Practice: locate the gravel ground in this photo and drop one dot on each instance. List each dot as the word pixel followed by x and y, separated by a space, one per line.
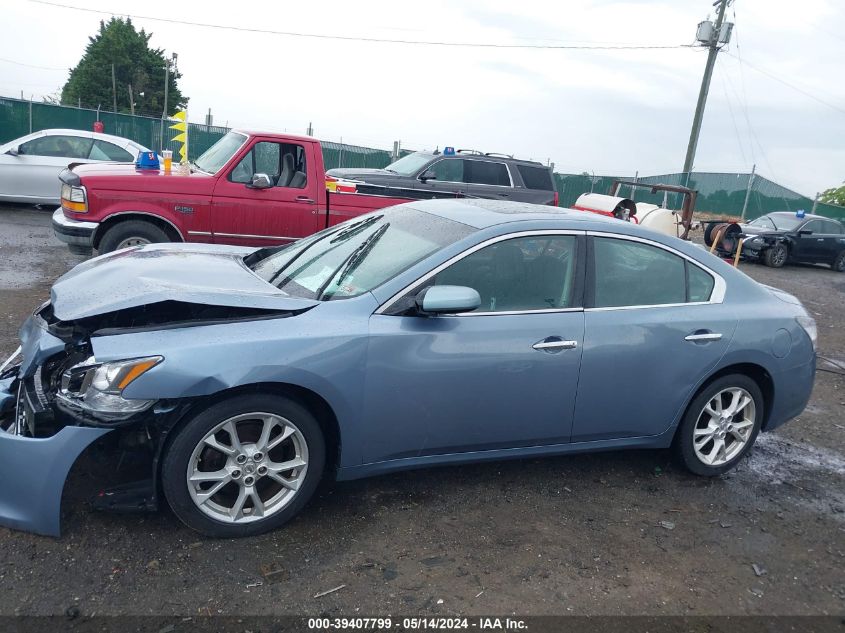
pixel 614 533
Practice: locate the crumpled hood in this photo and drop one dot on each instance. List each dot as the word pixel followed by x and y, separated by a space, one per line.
pixel 204 274
pixel 748 229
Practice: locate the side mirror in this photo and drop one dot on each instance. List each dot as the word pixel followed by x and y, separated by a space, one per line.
pixel 805 232
pixel 447 300
pixel 14 151
pixel 260 181
pixel 428 174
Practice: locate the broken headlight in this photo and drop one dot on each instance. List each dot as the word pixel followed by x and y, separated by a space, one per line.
pixel 97 388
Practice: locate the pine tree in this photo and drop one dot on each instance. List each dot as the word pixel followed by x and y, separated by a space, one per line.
pixel 135 64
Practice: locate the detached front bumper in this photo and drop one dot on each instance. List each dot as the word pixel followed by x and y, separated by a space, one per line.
pixel 79 236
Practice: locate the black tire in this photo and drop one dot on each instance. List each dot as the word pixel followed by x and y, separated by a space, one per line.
pixel 839 263
pixel 708 234
pixel 128 230
pixel 683 444
pixel 776 256
pixel 178 454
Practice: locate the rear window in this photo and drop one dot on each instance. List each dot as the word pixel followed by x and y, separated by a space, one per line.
pixel 536 177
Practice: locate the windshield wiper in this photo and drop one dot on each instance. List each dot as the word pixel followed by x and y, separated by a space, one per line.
pixel 349 265
pixel 392 171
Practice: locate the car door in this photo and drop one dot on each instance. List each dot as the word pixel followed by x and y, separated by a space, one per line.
pixel 39 162
pixel 809 241
pixel 822 244
pixel 501 376
pixel 654 327
pixel 488 179
pixel 448 176
pixel 282 213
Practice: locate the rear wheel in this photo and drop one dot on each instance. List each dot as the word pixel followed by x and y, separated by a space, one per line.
pixel 131 233
pixel 244 466
pixel 720 425
pixel 775 257
pixel 839 263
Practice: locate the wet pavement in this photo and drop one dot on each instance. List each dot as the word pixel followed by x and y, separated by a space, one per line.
pixel 613 533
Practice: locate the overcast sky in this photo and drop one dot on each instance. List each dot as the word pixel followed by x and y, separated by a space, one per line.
pixel 609 112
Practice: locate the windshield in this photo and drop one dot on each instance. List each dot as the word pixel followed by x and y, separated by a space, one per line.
pixel 783 222
pixel 213 159
pixel 354 257
pixel 410 164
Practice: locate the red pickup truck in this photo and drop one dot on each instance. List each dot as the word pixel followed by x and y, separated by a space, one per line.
pixel 249 189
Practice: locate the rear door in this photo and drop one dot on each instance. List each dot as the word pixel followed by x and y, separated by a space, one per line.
pixel 537 185
pixel 488 179
pixel 282 213
pixel 654 327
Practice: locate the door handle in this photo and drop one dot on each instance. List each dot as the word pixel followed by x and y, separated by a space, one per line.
pixel 703 337
pixel 554 343
pixel 305 199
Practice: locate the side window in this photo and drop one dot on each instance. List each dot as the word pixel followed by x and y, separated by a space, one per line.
pixel 526 273
pixel 284 163
pixel 814 226
pixel 832 228
pixel 58 147
pixel 699 283
pixel 482 172
pixel 449 170
pixel 630 273
pixel 101 150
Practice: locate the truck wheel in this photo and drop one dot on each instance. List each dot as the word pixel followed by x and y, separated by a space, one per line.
pixel 839 263
pixel 244 466
pixel 775 257
pixel 131 233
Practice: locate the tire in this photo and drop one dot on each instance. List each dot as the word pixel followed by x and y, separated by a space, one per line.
pixel 232 510
pixel 839 263
pixel 708 234
pixel 131 233
pixel 776 256
pixel 699 426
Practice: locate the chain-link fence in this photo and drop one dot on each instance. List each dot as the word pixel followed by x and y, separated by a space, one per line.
pixel 718 193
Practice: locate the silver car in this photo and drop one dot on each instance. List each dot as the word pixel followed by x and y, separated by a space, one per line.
pixel 30 166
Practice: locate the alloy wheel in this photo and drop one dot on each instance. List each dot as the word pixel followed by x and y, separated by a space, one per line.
pixel 247 468
pixel 724 426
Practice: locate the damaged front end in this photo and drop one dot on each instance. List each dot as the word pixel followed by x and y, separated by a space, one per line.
pixel 54 403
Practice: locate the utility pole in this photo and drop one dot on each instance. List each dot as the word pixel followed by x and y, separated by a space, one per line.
pixel 713 36
pixel 173 57
pixel 113 88
pixel 131 101
pixel 748 191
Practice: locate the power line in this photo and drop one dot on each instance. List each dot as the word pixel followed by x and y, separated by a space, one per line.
pixel 771 75
pixel 349 38
pixel 12 61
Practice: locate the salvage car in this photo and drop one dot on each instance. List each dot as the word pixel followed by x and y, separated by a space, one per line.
pixel 428 333
pixel 30 166
pixel 785 237
pixel 469 172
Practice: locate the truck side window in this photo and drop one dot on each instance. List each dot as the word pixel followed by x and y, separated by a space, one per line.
pixel 284 163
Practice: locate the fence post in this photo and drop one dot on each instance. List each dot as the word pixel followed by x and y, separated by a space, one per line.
pixel 633 188
pixel 30 114
pixel 748 191
pixel 815 203
pixel 340 157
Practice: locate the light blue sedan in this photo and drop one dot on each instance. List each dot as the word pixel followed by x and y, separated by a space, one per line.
pixel 429 333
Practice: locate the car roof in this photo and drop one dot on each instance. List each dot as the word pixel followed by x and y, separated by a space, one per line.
pixel 491 157
pixel 482 213
pixel 117 140
pixel 791 214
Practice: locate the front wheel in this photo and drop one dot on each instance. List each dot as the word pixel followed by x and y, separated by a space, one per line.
pixel 244 466
pixel 720 425
pixel 131 233
pixel 775 257
pixel 839 263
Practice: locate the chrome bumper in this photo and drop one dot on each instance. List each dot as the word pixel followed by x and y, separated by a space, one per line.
pixel 73 232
